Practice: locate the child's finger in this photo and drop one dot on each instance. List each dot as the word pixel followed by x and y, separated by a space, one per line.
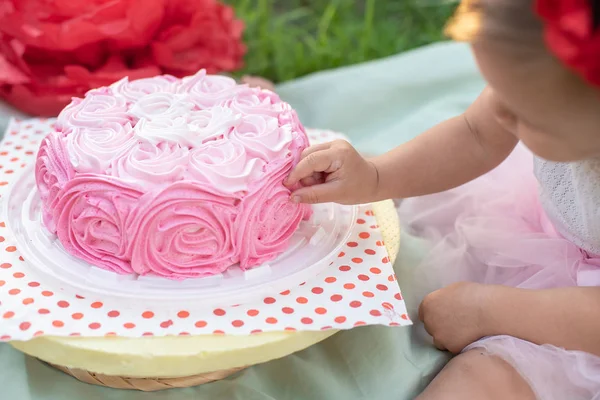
pixel 421 313
pixel 438 345
pixel 319 161
pixel 312 149
pixel 256 81
pixel 325 193
pixel 312 180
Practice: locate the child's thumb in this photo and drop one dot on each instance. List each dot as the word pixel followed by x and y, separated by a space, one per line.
pixel 325 193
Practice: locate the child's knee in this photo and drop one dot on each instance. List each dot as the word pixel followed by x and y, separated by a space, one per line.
pixel 493 372
pixel 478 375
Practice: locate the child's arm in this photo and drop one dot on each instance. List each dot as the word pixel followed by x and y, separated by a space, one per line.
pixel 563 317
pixel 448 155
pixel 459 314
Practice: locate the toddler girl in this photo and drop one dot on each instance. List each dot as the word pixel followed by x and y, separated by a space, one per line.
pixel 515 235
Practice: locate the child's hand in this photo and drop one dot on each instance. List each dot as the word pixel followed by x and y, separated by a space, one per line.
pixel 257 81
pixel 457 315
pixel 334 172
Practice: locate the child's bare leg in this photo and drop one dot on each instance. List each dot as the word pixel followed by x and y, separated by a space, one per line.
pixel 473 375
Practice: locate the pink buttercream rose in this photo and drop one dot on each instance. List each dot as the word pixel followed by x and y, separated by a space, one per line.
pixel 132 91
pixel 225 166
pixel 267 220
pixel 263 138
pixel 52 171
pixel 90 214
pixel 185 231
pixel 93 111
pixel 208 90
pixel 289 117
pixel 147 165
pixel 93 149
pixel 254 101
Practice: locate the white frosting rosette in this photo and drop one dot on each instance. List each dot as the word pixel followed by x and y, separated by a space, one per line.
pixel 214 123
pixel 162 105
pixel 173 130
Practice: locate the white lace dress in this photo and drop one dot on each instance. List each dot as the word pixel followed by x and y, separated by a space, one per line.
pixel 530 224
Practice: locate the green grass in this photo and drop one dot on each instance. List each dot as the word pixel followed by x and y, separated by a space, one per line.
pixel 291 38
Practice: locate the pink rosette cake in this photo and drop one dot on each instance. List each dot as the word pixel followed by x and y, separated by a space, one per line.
pixel 172 178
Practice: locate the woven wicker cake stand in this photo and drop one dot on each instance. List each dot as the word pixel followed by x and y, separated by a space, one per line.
pixel 157 363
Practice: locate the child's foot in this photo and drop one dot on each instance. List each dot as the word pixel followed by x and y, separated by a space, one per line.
pixel 256 81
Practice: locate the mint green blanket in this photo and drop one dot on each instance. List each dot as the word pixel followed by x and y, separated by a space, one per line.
pixel 379 105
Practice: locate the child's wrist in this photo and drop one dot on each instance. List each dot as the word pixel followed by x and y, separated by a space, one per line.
pixel 498 310
pixel 375 191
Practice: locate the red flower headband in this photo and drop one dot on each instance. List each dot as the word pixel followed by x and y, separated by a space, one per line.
pixel 571 35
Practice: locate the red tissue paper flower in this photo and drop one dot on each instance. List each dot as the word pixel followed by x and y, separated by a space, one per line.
pixel 52 50
pixel 571 36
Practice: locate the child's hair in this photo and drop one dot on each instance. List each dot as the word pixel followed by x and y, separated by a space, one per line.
pixel 513 24
pixel 513 20
pixel 507 20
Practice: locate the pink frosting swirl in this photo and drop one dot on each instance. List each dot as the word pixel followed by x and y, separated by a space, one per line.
pixel 90 214
pixel 52 172
pixel 263 137
pixel 148 165
pixel 93 149
pixel 184 231
pixel 208 90
pixel 267 220
pixel 289 117
pixel 135 90
pixel 224 166
pixel 255 101
pixel 52 167
pixel 93 111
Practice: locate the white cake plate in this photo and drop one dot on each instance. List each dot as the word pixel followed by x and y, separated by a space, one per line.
pixel 311 251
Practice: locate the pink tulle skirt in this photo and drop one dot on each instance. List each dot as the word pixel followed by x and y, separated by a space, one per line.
pixel 494 230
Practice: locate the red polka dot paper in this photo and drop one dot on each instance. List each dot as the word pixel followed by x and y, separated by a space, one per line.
pixel 359 287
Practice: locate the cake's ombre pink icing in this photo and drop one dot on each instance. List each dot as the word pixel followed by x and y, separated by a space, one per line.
pixel 173 178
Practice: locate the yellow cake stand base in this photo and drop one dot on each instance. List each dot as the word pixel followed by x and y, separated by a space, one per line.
pixel 157 363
